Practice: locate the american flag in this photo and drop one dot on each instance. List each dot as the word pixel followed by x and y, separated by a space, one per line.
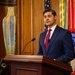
pixel 47 7
pixel 47 4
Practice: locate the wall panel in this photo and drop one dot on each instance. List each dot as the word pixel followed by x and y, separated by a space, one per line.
pixel 25 26
pixel 38 26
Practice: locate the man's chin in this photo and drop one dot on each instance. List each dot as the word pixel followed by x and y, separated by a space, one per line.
pixel 47 25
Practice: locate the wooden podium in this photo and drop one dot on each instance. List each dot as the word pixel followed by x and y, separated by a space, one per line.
pixel 36 65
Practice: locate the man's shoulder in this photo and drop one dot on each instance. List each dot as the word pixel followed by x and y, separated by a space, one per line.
pixel 44 32
pixel 62 29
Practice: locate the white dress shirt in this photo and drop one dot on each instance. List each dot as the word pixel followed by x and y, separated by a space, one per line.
pixel 52 30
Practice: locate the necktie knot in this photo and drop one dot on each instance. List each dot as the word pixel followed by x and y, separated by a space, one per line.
pixel 50 30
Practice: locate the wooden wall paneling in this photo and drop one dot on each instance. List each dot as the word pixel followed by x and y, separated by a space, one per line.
pixel 55 6
pixel 31 24
pixel 18 45
pixel 26 26
pixel 38 26
pixel 32 27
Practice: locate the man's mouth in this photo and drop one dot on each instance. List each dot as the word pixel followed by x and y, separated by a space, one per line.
pixel 47 21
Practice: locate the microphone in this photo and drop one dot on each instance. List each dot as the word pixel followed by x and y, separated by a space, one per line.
pixel 27 44
pixel 48 40
pixel 33 39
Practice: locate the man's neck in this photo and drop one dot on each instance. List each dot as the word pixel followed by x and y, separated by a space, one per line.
pixel 50 26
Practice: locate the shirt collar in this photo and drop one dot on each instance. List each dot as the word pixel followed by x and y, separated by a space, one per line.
pixel 53 28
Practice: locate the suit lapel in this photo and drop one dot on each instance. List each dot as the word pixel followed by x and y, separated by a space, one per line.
pixel 43 38
pixel 56 31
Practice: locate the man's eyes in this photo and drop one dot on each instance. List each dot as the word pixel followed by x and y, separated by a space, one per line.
pixel 47 16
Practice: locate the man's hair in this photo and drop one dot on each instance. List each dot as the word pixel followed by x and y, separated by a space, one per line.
pixel 50 10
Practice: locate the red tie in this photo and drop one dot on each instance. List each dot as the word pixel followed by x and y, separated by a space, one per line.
pixel 47 40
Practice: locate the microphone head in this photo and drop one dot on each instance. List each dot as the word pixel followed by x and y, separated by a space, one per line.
pixel 33 39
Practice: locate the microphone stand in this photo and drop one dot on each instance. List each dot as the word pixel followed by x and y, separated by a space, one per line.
pixel 26 45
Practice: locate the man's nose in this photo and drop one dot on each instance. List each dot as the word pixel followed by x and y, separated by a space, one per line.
pixel 47 18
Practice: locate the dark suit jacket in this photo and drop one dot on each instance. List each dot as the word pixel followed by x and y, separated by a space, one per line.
pixel 60 46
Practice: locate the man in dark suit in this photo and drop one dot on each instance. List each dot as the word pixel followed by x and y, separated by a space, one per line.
pixel 59 44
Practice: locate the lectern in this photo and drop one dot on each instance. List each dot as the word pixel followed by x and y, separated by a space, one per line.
pixel 35 65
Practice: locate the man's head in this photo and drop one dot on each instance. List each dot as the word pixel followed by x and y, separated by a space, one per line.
pixel 49 17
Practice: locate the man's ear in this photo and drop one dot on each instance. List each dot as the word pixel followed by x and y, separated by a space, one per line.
pixel 55 17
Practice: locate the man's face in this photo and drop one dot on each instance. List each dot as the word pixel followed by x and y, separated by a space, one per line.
pixel 49 19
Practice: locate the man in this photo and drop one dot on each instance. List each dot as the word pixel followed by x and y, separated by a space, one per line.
pixel 55 42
